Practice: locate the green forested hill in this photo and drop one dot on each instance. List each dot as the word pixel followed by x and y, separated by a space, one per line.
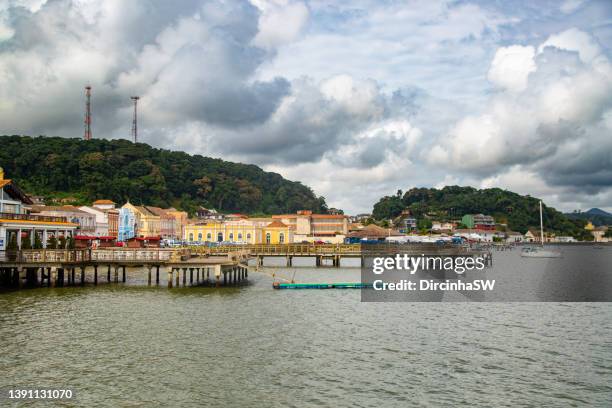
pixel 517 211
pixel 595 215
pixel 119 170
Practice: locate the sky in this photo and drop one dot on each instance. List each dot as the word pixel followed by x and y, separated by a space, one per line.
pixel 354 99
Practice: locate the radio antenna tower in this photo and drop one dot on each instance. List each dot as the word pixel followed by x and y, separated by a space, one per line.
pixel 135 120
pixel 87 135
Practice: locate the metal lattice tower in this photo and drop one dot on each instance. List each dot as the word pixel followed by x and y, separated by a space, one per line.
pixel 135 120
pixel 87 135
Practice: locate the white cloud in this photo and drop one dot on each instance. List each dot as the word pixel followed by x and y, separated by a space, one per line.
pixel 574 40
pixel 281 21
pixel 511 66
pixel 356 99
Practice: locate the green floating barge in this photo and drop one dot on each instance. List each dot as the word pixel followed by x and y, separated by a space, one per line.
pixel 338 285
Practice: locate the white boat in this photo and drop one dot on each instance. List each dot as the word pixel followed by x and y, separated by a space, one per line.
pixel 540 253
pixel 535 252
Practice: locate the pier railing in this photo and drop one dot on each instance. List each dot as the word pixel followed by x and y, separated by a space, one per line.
pixel 95 255
pixel 327 249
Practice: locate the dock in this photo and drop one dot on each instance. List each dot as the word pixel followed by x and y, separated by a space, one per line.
pixel 55 267
pixel 326 255
pixel 316 285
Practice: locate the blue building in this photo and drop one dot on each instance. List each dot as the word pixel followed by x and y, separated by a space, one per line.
pixel 128 224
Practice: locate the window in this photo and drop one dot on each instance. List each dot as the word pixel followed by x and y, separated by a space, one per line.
pixel 191 237
pixel 209 236
pixel 281 238
pixel 231 238
pixel 200 237
pixel 239 236
pixel 268 238
pixel 220 237
pixel 249 236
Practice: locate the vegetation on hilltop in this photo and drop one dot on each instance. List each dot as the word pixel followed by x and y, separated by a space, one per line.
pixel 452 202
pixel 57 167
pixel 595 215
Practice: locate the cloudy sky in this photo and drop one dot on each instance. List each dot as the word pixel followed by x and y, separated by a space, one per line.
pixel 355 99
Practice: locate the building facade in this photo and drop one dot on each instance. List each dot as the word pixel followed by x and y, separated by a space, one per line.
pixel 86 221
pixel 138 222
pixel 17 225
pixel 240 231
pixel 306 226
pixel 479 221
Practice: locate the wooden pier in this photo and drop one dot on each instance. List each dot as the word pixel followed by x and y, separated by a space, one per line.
pixel 50 267
pixel 331 254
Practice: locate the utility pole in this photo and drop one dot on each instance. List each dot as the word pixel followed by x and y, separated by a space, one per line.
pixel 87 135
pixel 135 120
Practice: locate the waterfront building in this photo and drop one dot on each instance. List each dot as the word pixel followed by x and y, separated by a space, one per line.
pixel 107 217
pixel 533 235
pixel 101 218
pixel 127 224
pixel 306 226
pixel 86 221
pixel 372 232
pixel 16 222
pixel 480 235
pixel 181 220
pixel 138 222
pixel 514 237
pixel 599 234
pixel 442 227
pixel 277 233
pixel 113 222
pixel 238 231
pixel 479 222
pixel 169 226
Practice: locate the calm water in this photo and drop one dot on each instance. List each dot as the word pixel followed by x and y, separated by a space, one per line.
pixel 132 346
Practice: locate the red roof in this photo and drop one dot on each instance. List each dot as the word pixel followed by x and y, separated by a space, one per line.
pixel 148 238
pixel 88 237
pixel 276 224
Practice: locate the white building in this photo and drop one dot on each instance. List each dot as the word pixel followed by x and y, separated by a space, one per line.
pixel 101 216
pixel 16 222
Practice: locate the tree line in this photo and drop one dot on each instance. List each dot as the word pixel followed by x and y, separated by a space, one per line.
pixel 57 167
pixel 518 212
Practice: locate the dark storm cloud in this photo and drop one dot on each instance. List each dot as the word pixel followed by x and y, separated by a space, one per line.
pixel 188 60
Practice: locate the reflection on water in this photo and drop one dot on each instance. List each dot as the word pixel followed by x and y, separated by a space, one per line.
pixel 119 345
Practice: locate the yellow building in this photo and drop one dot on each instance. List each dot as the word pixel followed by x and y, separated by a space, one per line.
pixel 245 231
pixel 241 231
pixel 589 226
pixel 277 233
pixel 148 224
